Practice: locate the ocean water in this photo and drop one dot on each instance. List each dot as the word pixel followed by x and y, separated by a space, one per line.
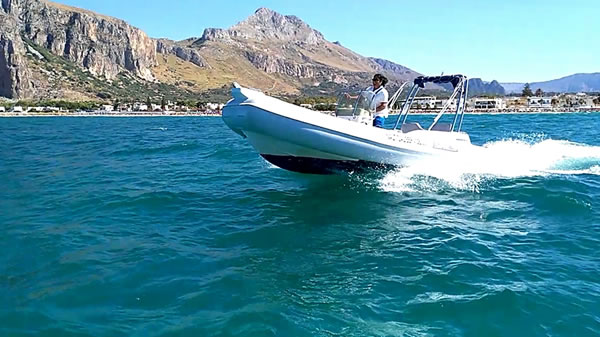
pixel 172 226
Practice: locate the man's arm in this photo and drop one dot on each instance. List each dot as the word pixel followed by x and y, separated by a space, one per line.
pixel 380 106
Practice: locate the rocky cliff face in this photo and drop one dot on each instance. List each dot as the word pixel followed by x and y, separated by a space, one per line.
pixel 104 46
pixel 164 46
pixel 101 45
pixel 273 64
pixel 391 66
pixel 14 73
pixel 9 5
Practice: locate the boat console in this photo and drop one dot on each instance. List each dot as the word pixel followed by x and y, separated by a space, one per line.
pixel 354 106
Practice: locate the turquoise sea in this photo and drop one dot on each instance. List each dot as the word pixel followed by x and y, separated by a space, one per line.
pixel 171 226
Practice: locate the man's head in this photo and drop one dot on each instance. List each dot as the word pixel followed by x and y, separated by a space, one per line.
pixel 379 81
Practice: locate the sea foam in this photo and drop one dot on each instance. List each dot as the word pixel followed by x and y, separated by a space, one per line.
pixel 503 159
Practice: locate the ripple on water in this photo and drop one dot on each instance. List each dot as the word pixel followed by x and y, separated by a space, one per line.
pixel 172 226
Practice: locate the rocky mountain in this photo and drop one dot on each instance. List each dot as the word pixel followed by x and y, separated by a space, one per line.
pixel 15 76
pixel 267 25
pixel 49 50
pixel 390 66
pixel 280 54
pixel 478 87
pixel 102 46
pixel 573 83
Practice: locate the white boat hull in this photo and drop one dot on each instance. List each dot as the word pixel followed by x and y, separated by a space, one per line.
pixel 302 140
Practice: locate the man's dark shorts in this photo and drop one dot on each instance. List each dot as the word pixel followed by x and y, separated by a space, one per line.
pixel 378 122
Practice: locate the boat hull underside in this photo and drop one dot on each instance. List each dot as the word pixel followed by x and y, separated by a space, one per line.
pixel 296 158
pixel 322 166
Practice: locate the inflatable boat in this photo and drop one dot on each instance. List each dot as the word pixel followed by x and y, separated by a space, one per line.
pixel 302 140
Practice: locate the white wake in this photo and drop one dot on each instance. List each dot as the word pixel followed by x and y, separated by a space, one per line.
pixel 510 158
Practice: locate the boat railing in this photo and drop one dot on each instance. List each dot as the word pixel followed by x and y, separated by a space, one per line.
pixel 396 95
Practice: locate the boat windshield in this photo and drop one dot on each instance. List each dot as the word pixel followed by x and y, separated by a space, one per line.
pixel 354 103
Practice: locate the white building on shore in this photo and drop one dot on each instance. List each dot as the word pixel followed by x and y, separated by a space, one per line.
pixel 439 103
pixel 539 102
pixel 214 106
pixel 488 103
pixel 582 100
pixel 425 102
pixel 515 102
pixel 137 106
pixel 2 109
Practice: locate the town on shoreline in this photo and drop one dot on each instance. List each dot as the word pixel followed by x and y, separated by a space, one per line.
pixel 564 103
pixel 217 113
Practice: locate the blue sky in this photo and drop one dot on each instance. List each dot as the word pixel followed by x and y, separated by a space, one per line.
pixel 509 41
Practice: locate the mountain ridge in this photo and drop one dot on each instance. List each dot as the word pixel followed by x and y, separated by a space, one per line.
pixel 275 52
pixel 279 54
pixel 579 82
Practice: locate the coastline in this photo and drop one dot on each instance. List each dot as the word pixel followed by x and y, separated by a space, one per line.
pixel 508 111
pixel 215 114
pixel 110 114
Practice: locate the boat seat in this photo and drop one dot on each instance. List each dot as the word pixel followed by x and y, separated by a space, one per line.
pixel 408 127
pixel 442 127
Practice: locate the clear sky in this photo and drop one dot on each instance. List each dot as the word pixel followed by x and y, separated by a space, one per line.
pixel 509 41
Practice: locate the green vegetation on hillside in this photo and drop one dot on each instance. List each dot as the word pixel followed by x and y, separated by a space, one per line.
pixel 66 76
pixel 62 104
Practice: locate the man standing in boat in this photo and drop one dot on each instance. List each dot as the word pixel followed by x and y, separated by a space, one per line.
pixel 380 100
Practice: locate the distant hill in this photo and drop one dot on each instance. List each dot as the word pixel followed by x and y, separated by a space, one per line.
pixel 478 87
pixel 574 83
